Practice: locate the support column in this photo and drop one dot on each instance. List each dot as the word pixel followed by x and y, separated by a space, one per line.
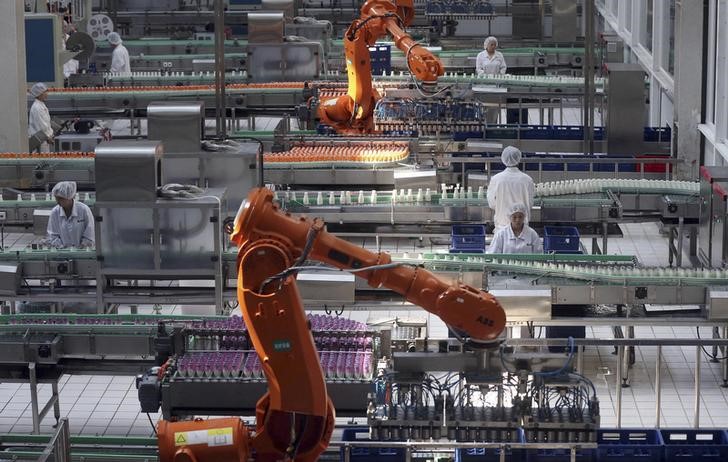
pixel 688 85
pixel 13 97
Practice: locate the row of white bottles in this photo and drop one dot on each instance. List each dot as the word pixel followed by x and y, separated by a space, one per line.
pixel 596 185
pixel 83 197
pixel 582 272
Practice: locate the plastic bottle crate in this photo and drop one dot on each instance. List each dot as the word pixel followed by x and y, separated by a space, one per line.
pixel 657 134
pixel 536 132
pixel 653 168
pixel 545 166
pixel 501 132
pixel 492 454
pixel 467 238
pixel 356 454
pixel 630 445
pixel 560 455
pixel 683 445
pixel 568 132
pixel 381 59
pixel 560 239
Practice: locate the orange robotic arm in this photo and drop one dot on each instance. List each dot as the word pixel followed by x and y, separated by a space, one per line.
pixel 295 419
pixel 470 310
pixel 353 112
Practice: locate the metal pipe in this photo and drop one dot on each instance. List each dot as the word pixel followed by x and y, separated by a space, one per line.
pixel 658 388
pixel 34 397
pixel 220 68
pixel 696 414
pixel 724 364
pixel 588 118
pixel 620 355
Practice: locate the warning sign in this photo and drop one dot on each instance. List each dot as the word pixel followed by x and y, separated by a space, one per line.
pixel 187 438
pixel 220 436
pixel 213 437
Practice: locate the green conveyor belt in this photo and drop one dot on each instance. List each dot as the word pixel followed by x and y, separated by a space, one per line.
pixel 118 319
pixel 17 438
pixel 622 275
pixel 179 56
pixel 171 92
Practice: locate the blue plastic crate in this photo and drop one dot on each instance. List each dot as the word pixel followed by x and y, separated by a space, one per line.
pixel 381 59
pixel 560 238
pixel 536 132
pixel 467 238
pixel 369 454
pixel 629 445
pixel 493 455
pixel 568 132
pixel 683 445
pixel 657 134
pixel 505 132
pixel 560 455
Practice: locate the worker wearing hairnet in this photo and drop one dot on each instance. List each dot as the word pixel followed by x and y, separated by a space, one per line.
pixel 518 237
pixel 490 61
pixel 71 223
pixel 120 56
pixel 509 187
pixel 39 119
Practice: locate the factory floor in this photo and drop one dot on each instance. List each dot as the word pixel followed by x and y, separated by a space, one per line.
pixel 107 405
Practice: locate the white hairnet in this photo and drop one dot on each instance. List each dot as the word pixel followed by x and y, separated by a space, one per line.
pixel 490 40
pixel 511 156
pixel 114 38
pixel 518 207
pixel 38 89
pixel 65 189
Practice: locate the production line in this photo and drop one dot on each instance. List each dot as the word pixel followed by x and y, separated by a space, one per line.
pixel 391 195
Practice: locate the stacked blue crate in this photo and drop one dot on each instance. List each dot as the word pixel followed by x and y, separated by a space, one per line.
pixel 467 239
pixel 560 239
pixel 381 58
pixel 695 445
pixel 492 454
pixel 359 454
pixel 629 445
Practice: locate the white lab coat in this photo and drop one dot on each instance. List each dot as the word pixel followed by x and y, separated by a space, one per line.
pixel 70 67
pixel 39 120
pixel 506 241
pixel 507 188
pixel 120 60
pixel 74 231
pixel 486 64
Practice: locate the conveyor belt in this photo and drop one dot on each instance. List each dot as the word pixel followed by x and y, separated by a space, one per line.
pixel 374 152
pixel 623 275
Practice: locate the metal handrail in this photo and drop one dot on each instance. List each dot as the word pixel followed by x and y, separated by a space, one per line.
pixel 58 448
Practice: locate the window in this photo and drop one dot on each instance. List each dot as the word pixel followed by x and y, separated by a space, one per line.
pixel 646 29
pixel 671 39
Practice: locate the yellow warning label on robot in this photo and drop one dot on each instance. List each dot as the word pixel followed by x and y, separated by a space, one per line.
pixel 220 436
pixel 188 438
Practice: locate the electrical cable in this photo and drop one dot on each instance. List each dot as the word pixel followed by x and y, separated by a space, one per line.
pixel 293 269
pixel 154 429
pixel 564 367
pixel 711 356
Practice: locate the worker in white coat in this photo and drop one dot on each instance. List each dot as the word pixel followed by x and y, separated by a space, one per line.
pixel 39 119
pixel 491 62
pixel 71 223
pixel 120 56
pixel 509 187
pixel 518 237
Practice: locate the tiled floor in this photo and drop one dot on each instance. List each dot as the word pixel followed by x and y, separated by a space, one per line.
pixel 108 405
